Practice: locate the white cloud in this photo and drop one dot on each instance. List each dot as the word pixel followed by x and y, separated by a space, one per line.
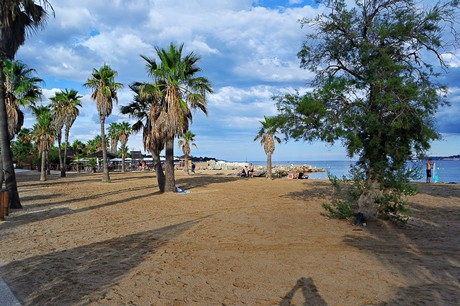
pixel 248 53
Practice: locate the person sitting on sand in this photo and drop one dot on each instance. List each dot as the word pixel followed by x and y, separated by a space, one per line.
pixel 242 172
pixel 251 170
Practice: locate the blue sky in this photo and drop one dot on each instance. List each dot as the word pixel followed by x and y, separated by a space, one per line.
pixel 248 50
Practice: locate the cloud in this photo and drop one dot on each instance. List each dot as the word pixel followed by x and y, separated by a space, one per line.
pixel 248 51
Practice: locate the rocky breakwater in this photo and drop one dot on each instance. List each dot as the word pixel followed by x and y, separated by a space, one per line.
pixel 261 171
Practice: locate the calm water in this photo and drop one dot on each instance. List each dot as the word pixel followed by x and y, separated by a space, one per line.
pixel 447 170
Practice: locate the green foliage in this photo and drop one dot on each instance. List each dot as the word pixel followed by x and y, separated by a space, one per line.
pixel 375 88
pixel 392 202
pixel 345 195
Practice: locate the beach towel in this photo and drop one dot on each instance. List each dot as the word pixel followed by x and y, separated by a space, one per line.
pixel 179 190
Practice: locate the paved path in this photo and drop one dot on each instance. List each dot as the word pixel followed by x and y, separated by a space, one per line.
pixel 6 296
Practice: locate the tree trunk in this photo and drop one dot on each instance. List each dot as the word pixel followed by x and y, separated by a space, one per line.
pixel 186 165
pixel 43 167
pixel 61 163
pixel 269 166
pixel 6 155
pixel 66 139
pixel 105 176
pixel 2 176
pixel 158 169
pixel 123 169
pixel 367 201
pixel 170 182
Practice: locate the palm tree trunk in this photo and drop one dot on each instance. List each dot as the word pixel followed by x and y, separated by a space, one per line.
pixel 123 168
pixel 6 155
pixel 170 182
pixel 43 167
pixel 66 139
pixel 48 164
pixel 61 163
pixel 269 165
pixel 105 176
pixel 158 169
pixel 186 164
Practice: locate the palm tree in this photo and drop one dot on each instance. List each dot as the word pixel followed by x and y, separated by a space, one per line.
pixel 187 139
pixel 104 87
pixel 267 138
pixel 57 110
pixel 124 130
pixel 43 135
pixel 65 109
pixel 94 145
pixel 114 136
pixel 21 89
pixel 15 18
pixel 140 109
pixel 179 90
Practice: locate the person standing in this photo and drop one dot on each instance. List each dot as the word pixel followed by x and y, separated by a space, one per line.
pixel 429 167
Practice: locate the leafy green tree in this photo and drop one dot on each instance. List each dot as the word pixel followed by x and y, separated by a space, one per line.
pixel 178 89
pixel 104 87
pixel 146 101
pixel 375 89
pixel 267 136
pixel 187 139
pixel 15 18
pixel 23 150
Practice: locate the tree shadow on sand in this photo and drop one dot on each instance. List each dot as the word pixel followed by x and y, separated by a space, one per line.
pixel 28 216
pixel 192 182
pixel 68 277
pixel 425 253
pixel 309 292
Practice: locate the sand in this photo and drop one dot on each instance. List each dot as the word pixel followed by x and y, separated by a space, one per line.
pixel 230 241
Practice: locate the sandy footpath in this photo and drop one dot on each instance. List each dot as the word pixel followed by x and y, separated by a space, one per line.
pixel 230 241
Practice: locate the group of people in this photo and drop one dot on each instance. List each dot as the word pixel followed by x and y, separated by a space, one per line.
pixel 247 172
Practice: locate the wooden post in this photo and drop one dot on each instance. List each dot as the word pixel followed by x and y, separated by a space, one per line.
pixel 4 205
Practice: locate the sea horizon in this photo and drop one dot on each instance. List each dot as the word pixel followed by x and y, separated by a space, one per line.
pixel 446 171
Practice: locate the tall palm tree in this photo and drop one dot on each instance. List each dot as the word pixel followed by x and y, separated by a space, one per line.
pixel 185 141
pixel 267 139
pixel 57 110
pixel 65 109
pixel 21 89
pixel 71 109
pixel 114 136
pixel 44 135
pixel 124 130
pixel 15 18
pixel 104 87
pixel 178 90
pixel 140 109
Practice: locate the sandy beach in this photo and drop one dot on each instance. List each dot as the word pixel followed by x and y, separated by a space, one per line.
pixel 229 241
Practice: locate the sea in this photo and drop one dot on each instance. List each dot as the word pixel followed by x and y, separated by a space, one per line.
pixel 445 171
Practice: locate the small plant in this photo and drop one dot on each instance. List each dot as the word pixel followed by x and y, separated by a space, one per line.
pixel 392 203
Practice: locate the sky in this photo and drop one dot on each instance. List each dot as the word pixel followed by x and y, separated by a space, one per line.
pixel 248 51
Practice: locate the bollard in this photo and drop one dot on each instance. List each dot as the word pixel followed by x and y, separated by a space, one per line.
pixel 4 205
